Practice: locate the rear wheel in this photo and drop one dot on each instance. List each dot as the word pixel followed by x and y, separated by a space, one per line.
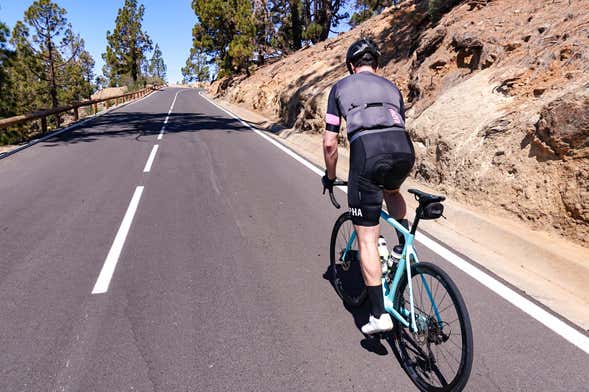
pixel 345 266
pixel 439 356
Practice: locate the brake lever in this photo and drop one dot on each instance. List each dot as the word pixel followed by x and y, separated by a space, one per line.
pixel 333 200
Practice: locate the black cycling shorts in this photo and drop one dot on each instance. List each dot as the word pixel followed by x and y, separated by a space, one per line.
pixel 377 161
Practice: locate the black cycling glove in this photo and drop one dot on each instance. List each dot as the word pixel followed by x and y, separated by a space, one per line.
pixel 327 183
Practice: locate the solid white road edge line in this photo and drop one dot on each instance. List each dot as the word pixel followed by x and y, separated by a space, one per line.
pixel 149 162
pixel 112 258
pixel 549 320
pixel 558 326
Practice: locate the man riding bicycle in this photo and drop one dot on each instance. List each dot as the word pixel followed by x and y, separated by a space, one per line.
pixel 381 157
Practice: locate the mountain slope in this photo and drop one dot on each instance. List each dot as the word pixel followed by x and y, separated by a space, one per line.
pixel 498 98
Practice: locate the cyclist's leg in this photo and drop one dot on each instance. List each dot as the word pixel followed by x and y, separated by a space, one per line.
pixel 397 209
pixel 369 258
pixel 380 320
pixel 401 165
pixel 365 201
pixel 395 203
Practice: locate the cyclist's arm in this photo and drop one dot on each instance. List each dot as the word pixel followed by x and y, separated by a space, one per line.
pixel 330 152
pixel 330 136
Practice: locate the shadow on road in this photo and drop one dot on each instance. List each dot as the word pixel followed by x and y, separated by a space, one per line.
pixel 360 314
pixel 137 124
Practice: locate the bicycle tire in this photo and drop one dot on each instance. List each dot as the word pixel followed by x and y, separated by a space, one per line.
pixel 418 360
pixel 346 276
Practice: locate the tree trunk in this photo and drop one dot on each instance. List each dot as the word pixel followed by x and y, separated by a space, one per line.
pixel 324 15
pixel 134 64
pixel 297 28
pixel 52 82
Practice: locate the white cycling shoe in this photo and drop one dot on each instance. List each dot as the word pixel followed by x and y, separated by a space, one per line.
pixel 375 325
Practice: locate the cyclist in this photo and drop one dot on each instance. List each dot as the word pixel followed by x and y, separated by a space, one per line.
pixel 381 157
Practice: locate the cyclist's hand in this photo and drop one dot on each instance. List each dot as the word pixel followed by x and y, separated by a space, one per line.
pixel 327 183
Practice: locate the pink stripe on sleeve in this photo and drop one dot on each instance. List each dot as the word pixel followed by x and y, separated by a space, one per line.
pixel 396 117
pixel 332 119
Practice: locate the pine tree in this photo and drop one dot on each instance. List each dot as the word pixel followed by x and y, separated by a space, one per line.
pixel 7 104
pixel 49 50
pixel 299 21
pixel 320 17
pixel 126 45
pixel 365 9
pixel 264 30
pixel 286 16
pixel 29 86
pixel 196 68
pixel 157 68
pixel 87 63
pixel 226 31
pixel 78 84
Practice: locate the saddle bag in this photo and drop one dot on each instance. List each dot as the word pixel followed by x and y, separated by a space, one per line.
pixel 432 211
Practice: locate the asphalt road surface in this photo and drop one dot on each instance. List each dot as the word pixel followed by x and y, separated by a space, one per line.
pixel 219 283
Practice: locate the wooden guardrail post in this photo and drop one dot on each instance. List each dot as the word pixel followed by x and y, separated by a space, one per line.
pixel 76 113
pixel 95 107
pixel 44 125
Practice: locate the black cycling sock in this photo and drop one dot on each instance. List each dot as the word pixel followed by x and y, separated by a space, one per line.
pixel 376 300
pixel 400 236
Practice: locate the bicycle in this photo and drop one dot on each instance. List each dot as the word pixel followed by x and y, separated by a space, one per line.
pixel 426 325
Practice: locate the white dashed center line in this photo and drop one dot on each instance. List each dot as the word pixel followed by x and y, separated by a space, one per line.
pixel 147 168
pixel 112 258
pixel 161 135
pixel 110 263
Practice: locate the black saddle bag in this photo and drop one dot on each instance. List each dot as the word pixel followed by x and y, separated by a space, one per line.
pixel 432 211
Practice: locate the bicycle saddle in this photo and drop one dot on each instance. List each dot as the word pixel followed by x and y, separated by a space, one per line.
pixel 426 198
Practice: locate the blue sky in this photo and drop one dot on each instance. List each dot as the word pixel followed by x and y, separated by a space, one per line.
pixel 168 23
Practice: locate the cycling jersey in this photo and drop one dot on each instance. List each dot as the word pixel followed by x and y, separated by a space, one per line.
pixel 381 153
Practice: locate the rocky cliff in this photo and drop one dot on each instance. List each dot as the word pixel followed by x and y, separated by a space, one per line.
pixel 498 98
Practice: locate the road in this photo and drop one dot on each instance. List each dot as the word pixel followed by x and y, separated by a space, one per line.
pixel 219 283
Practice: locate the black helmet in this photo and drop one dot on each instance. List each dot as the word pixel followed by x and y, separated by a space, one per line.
pixel 358 49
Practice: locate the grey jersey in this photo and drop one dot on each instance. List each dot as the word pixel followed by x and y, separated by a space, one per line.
pixel 369 103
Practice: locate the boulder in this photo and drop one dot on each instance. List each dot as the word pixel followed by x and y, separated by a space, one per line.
pixel 564 125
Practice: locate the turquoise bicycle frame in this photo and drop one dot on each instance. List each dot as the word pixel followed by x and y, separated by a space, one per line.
pixel 408 257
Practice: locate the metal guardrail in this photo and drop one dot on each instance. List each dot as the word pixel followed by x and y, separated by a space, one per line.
pixel 42 115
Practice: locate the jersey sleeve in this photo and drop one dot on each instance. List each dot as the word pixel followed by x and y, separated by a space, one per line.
pixel 333 115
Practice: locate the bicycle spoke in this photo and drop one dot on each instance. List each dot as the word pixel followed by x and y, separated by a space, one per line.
pixel 444 349
pixel 453 321
pixel 455 345
pixel 435 357
pixel 440 311
pixel 439 303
